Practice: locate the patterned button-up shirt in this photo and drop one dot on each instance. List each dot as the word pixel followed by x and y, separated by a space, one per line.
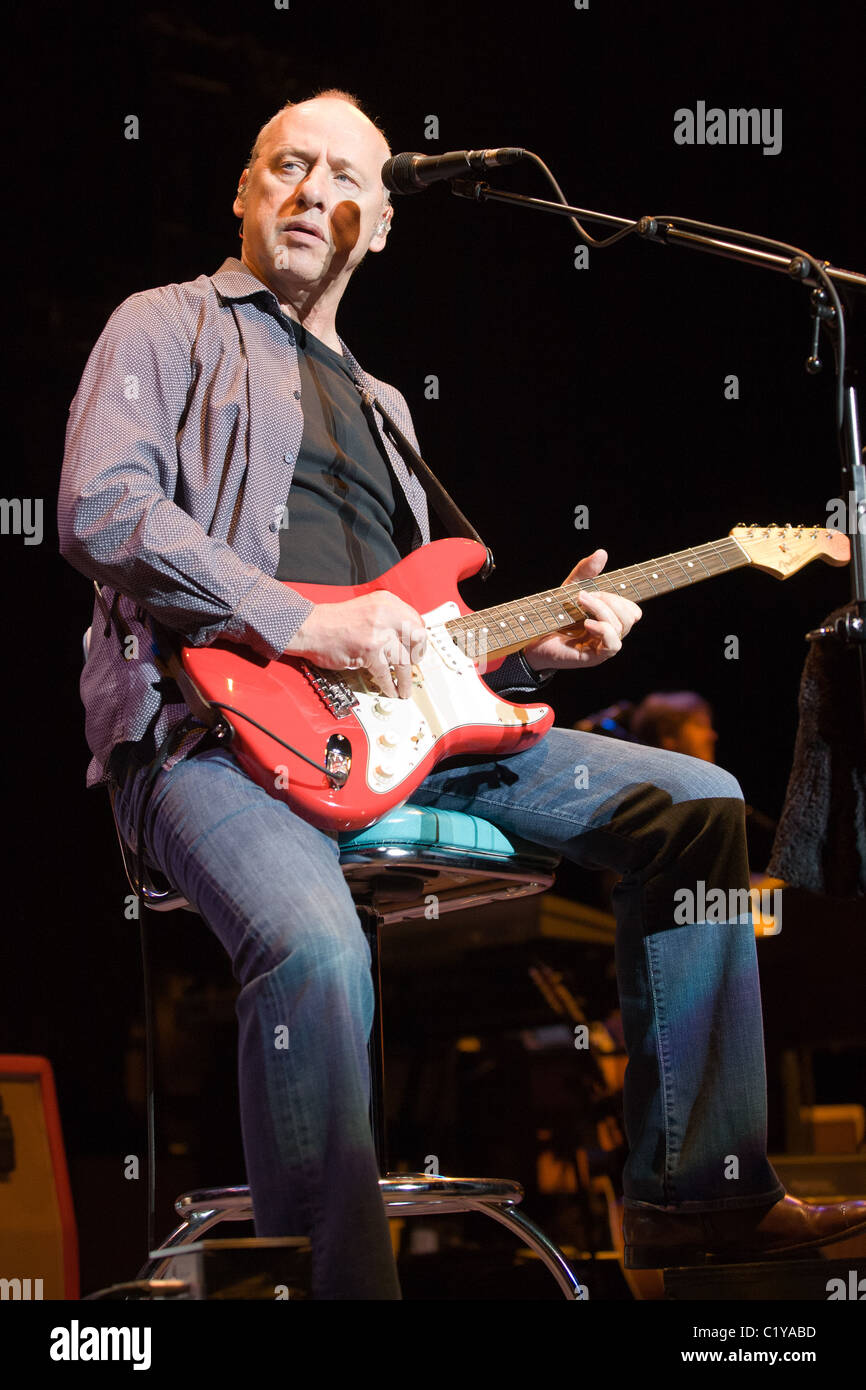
pixel 180 448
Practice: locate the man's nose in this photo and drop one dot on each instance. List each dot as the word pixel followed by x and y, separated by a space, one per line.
pixel 313 189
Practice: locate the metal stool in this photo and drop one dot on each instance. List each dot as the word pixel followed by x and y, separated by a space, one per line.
pixel 392 869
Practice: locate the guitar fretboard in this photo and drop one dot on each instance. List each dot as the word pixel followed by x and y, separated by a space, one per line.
pixel 510 626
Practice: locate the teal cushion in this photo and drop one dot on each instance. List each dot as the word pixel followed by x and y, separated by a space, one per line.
pixel 426 827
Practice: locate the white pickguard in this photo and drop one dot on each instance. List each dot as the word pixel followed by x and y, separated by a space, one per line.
pixel 447 694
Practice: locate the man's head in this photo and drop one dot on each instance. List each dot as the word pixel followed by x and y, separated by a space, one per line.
pixel 680 720
pixel 312 198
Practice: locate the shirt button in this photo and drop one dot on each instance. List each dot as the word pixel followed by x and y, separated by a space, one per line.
pixel 297 395
pixel 288 458
pixel 273 526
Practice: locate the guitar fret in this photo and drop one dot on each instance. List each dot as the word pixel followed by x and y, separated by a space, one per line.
pixel 655 570
pixel 682 568
pixel 691 563
pixel 554 609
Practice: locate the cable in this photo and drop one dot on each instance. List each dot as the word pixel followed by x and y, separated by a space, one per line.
pixel 217 704
pixel 794 252
pixel 783 247
pixel 608 241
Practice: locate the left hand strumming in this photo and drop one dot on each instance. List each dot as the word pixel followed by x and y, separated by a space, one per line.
pixel 598 637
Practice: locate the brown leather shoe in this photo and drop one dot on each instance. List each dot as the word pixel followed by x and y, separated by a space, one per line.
pixel 787 1229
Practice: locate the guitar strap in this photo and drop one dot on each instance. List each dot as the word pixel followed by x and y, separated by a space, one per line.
pixel 441 501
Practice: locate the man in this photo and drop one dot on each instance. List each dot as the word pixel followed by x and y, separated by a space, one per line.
pixel 207 409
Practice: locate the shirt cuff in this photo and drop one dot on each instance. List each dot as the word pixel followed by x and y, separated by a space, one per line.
pixel 515 673
pixel 266 619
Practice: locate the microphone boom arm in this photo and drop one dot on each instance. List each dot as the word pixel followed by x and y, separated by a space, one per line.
pixel 766 254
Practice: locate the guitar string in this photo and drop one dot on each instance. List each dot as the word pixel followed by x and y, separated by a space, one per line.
pixel 514 615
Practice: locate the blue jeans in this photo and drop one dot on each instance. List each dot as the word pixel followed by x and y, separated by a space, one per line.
pixel 271 889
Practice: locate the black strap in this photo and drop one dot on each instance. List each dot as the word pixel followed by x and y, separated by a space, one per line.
pixel 441 501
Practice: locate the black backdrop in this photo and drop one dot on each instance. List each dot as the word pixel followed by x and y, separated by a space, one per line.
pixel 557 386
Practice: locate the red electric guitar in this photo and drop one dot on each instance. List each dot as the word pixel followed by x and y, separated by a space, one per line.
pixel 358 754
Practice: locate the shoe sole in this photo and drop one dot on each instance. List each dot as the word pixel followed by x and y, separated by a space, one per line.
pixel 664 1257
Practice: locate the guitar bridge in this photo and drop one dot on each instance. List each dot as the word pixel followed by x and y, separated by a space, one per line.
pixel 335 695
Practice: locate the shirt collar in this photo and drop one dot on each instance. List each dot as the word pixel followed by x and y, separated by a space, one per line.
pixel 233 281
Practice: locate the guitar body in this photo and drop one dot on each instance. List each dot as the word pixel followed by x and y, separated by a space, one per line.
pixel 338 718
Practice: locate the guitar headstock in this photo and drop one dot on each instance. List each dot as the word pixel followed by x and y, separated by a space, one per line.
pixel 782 550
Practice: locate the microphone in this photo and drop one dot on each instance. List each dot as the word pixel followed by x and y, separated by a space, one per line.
pixel 409 173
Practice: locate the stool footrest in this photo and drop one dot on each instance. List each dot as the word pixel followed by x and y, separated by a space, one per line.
pixel 405 1193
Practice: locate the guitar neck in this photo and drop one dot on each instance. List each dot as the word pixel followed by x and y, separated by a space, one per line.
pixel 511 626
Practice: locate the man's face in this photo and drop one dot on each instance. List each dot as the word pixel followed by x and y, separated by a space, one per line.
pixel 314 199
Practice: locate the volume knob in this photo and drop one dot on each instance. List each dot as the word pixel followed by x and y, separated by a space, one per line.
pixel 383 706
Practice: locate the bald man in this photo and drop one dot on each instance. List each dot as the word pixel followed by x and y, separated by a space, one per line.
pixel 224 442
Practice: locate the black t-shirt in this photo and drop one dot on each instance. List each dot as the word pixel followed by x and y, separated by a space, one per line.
pixel 348 518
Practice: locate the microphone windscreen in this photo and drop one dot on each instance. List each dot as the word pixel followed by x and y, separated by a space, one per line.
pixel 397 173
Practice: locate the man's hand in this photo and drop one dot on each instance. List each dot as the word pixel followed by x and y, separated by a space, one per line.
pixel 598 637
pixel 377 633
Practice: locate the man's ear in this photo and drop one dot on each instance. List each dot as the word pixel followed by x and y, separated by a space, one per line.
pixel 238 204
pixel 383 226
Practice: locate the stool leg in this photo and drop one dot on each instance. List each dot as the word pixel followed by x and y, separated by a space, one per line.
pixel 535 1238
pixel 189 1231
pixel 372 923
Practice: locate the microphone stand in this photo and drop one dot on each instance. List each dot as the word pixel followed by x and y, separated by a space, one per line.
pixel 826 312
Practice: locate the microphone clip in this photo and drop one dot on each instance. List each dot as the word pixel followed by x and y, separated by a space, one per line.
pixel 469 188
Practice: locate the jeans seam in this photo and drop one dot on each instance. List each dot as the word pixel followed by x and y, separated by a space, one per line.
pixel 665 1098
